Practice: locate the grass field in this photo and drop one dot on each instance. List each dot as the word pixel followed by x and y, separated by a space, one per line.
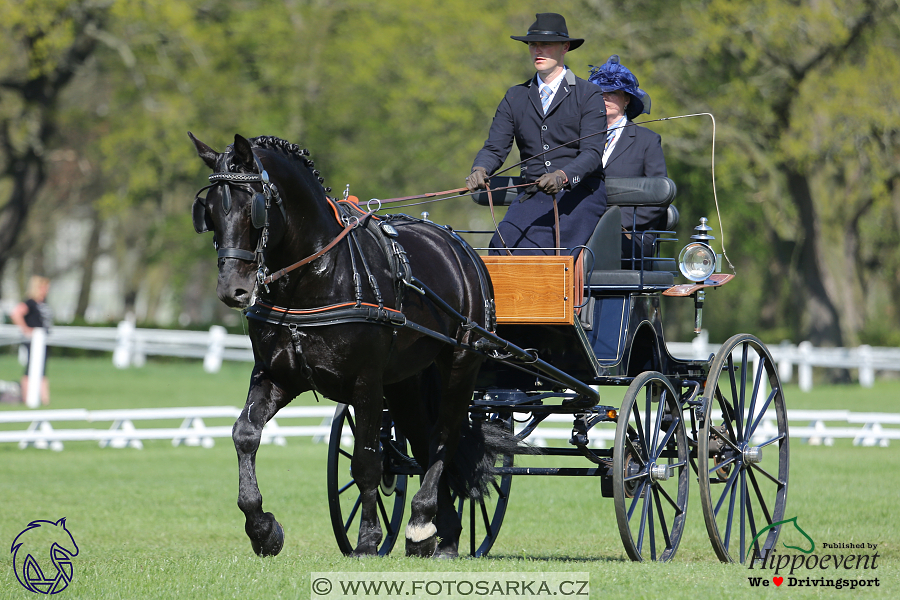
pixel 163 522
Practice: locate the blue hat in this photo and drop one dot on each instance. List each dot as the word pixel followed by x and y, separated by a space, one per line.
pixel 612 76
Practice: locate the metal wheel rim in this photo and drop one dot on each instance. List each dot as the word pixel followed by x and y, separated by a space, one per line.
pixel 733 485
pixel 650 512
pixel 343 494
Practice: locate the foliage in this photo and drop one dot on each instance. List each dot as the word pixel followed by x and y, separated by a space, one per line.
pixel 396 98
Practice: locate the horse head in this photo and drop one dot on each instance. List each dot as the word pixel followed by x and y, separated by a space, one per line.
pixel 31 549
pixel 238 209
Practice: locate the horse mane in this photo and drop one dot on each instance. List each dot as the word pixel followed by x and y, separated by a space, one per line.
pixel 292 151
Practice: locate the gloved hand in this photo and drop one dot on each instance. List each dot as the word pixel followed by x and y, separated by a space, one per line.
pixel 477 179
pixel 552 183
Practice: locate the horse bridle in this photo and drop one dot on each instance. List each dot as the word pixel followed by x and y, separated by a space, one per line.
pixel 259 211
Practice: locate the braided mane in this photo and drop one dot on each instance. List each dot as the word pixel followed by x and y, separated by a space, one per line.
pixel 291 151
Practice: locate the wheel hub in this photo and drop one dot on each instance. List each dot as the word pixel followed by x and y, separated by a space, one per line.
pixel 660 472
pixel 752 454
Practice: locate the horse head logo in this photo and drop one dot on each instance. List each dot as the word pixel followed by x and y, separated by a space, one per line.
pixel 31 548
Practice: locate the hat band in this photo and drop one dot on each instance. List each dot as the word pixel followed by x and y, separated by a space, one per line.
pixel 557 33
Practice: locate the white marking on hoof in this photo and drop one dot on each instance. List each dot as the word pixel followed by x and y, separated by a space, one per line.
pixel 418 533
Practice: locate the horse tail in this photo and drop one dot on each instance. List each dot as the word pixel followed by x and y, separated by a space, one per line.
pixel 484 445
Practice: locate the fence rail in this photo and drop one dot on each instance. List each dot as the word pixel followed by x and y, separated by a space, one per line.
pixel 131 345
pixel 813 426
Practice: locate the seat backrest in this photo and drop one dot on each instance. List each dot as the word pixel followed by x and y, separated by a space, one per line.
pixel 605 243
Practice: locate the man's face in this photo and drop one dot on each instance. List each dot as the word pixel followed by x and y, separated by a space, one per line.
pixel 547 56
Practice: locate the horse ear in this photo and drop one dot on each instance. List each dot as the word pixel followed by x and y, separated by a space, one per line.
pixel 209 156
pixel 243 151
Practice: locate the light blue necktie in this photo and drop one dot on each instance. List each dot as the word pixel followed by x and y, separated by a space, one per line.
pixel 545 98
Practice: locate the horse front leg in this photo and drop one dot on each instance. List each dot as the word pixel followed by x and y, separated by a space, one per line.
pixel 263 401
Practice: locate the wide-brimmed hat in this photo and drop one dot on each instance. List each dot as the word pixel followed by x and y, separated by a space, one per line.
pixel 612 76
pixel 549 27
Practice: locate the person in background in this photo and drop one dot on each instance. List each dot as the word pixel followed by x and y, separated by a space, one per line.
pixel 631 150
pixel 29 314
pixel 557 121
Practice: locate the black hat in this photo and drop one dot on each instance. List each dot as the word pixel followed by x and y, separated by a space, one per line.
pixel 549 27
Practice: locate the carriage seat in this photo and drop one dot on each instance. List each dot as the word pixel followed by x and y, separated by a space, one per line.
pixel 605 242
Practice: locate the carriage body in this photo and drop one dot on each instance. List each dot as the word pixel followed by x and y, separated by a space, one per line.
pixel 720 420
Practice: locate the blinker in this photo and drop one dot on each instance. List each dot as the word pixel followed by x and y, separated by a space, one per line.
pixel 258 210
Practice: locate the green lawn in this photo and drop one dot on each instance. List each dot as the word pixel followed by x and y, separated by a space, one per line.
pixel 163 522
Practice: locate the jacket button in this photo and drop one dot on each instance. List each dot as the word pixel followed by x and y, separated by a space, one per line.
pixel 543 128
pixel 547 163
pixel 546 147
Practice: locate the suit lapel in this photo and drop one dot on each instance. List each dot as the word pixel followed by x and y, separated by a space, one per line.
pixel 625 141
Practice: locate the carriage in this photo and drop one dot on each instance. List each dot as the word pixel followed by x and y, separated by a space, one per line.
pixel 721 420
pixel 429 343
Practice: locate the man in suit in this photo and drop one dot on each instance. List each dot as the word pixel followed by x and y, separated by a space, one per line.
pixel 558 122
pixel 631 150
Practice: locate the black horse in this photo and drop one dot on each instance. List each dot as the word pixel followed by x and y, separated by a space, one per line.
pixel 334 308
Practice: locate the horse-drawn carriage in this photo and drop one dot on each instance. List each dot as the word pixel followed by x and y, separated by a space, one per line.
pixel 548 332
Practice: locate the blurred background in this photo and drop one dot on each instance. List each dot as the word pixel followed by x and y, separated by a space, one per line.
pixel 394 98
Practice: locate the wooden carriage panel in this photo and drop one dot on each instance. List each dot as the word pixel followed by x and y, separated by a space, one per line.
pixel 533 289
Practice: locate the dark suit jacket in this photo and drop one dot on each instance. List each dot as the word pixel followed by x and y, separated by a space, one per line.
pixel 638 153
pixel 577 110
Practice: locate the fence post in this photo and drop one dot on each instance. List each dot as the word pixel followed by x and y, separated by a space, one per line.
pixel 124 345
pixel 866 370
pixel 804 366
pixel 37 355
pixel 785 366
pixel 212 362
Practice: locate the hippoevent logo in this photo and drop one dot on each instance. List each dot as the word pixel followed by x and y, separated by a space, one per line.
pixel 809 568
pixel 42 556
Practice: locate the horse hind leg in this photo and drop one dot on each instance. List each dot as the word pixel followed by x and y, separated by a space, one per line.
pixel 265 533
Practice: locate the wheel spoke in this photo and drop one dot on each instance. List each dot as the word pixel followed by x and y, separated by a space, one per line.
pixel 352 514
pixel 642 438
pixel 762 413
pixel 752 522
pixel 760 367
pixel 728 486
pixel 486 518
pixel 727 413
pixel 651 528
pixel 645 509
pixel 759 496
pixel 730 513
pixel 739 409
pixel 343 452
pixel 734 397
pixel 662 516
pixel 637 496
pixel 743 488
pixel 384 515
pixel 347 487
pixel 653 451
pixel 724 463
pixel 351 423
pixel 774 480
pixel 669 434
pixel 665 494
pixel 780 437
pixel 472 547
pixel 635 453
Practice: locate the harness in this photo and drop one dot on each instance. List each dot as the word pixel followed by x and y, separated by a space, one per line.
pixel 354 221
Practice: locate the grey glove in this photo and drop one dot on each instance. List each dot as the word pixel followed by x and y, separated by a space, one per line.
pixel 552 183
pixel 477 179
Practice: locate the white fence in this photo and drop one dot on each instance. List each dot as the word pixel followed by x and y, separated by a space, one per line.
pixel 805 425
pixel 131 346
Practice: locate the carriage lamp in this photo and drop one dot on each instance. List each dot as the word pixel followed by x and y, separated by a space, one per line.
pixel 697 260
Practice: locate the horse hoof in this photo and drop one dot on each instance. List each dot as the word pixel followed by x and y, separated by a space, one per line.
pixel 446 554
pixel 273 543
pixel 422 549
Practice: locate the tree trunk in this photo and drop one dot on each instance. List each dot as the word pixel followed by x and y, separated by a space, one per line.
pixel 824 323
pixel 87 266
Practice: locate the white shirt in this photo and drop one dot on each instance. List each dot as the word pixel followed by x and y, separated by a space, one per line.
pixel 553 85
pixel 616 128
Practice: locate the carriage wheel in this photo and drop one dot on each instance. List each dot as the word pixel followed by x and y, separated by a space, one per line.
pixel 481 519
pixel 650 469
pixel 343 494
pixel 743 450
